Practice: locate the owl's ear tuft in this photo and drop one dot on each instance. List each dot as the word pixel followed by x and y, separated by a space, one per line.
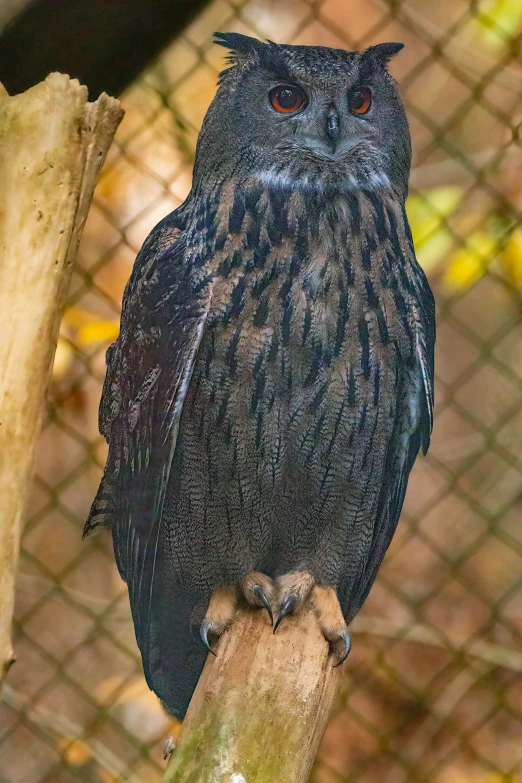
pixel 383 52
pixel 244 49
pixel 241 46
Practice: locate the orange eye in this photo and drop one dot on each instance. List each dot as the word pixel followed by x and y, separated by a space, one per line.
pixel 286 98
pixel 359 100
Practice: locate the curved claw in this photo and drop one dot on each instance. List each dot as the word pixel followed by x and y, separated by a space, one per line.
pixel 168 748
pixel 347 646
pixel 262 596
pixel 286 607
pixel 205 627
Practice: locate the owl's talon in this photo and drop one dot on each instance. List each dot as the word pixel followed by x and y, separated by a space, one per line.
pixel 168 748
pixel 219 614
pixel 205 627
pixel 346 643
pixel 287 607
pixel 262 596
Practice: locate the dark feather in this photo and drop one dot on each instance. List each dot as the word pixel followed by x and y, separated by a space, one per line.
pixel 166 304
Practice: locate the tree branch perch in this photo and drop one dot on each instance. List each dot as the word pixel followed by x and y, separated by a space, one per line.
pixel 261 706
pixel 52 146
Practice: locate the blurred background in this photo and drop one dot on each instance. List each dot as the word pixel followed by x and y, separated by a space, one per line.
pixel 433 687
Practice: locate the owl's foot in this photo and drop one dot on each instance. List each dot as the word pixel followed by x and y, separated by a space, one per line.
pixel 219 614
pixel 331 621
pixel 293 589
pixel 258 591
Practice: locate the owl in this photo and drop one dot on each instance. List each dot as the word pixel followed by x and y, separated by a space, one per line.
pixel 272 383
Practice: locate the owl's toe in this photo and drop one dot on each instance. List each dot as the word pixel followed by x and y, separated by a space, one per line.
pixel 293 589
pixel 219 614
pixel 258 590
pixel 331 621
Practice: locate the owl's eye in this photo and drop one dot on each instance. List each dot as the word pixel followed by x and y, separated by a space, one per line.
pixel 287 98
pixel 359 100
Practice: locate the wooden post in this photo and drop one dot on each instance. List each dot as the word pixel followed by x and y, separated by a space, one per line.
pixel 261 706
pixel 52 146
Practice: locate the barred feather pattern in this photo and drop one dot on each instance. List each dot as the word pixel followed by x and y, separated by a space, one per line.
pixel 264 404
pixel 310 395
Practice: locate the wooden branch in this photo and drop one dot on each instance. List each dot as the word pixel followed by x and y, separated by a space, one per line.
pixel 52 147
pixel 261 706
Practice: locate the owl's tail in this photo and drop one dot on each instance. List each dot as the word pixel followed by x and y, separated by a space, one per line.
pixel 171 649
pixel 173 655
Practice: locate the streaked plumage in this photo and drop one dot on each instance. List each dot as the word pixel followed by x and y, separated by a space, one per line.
pixel 273 380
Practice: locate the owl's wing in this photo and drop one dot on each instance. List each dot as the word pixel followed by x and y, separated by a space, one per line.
pixel 148 371
pixel 411 433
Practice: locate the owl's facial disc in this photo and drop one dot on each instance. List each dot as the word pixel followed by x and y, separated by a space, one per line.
pixel 331 125
pixel 325 138
pixel 320 134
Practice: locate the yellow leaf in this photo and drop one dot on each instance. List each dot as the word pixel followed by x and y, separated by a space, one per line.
pixel 98 332
pixel 62 359
pixel 427 213
pixel 75 752
pixel 427 210
pixel 469 263
pixel 499 21
pixel 434 249
pixel 512 257
pixel 76 317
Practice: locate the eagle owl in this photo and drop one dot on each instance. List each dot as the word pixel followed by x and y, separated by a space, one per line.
pixel 272 383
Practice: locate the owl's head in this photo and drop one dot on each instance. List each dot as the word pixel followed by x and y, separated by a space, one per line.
pixel 306 116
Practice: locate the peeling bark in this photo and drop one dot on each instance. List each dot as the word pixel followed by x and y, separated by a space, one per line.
pixel 52 146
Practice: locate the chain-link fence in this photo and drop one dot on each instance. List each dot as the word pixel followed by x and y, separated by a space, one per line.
pixel 433 688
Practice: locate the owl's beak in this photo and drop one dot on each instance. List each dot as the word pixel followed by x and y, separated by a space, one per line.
pixel 333 126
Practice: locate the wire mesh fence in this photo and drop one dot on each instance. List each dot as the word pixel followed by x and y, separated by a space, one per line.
pixel 433 688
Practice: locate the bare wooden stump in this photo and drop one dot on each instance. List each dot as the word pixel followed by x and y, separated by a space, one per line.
pixel 52 146
pixel 261 706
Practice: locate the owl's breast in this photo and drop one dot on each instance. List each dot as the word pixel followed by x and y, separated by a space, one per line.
pixel 309 332
pixel 299 353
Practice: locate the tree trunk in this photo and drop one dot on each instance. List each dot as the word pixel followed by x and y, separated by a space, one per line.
pixel 52 146
pixel 261 706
